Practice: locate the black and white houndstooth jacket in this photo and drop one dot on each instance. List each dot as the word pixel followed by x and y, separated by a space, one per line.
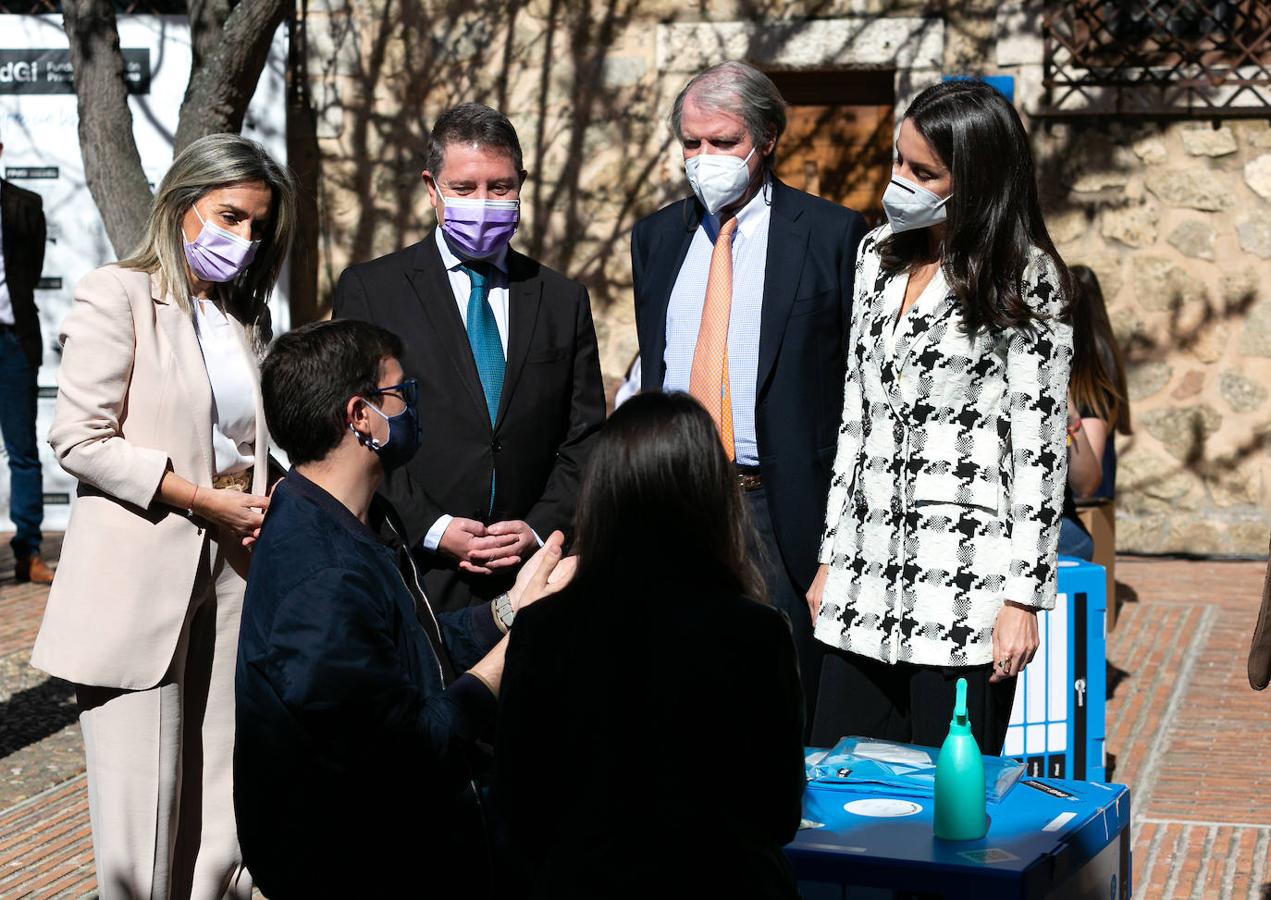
pixel 949 477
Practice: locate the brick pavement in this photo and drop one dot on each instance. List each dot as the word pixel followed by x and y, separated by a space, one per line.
pixel 1179 704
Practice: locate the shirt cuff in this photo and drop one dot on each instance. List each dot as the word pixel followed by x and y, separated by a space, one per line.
pixel 535 533
pixel 432 540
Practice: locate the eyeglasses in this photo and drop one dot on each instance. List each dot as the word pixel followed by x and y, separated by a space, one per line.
pixel 408 391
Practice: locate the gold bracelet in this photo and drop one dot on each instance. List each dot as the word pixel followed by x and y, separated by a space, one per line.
pixel 193 497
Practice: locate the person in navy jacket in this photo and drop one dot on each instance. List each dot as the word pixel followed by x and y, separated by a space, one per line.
pixel 353 759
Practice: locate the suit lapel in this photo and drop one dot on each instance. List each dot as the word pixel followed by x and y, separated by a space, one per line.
pixel 431 284
pixel 787 248
pixel 926 312
pixel 525 294
pixel 190 368
pixel 673 248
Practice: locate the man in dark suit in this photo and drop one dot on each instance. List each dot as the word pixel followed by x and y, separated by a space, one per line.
pixel 22 236
pixel 743 295
pixel 510 393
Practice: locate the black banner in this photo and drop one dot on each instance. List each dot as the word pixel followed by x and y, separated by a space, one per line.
pixel 42 70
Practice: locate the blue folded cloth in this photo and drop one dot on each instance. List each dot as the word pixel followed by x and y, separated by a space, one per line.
pixel 868 766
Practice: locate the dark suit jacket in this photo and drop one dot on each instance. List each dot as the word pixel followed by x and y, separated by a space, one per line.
pixel 552 403
pixel 649 743
pixel 803 340
pixel 22 222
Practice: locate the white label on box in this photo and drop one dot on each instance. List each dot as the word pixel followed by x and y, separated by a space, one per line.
pixel 883 808
pixel 1060 821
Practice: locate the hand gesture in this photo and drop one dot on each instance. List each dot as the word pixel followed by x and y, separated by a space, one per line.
pixel 544 574
pixel 239 513
pixel 1015 640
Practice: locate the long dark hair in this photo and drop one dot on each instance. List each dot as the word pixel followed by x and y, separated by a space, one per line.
pixel 1098 371
pixel 660 503
pixel 994 217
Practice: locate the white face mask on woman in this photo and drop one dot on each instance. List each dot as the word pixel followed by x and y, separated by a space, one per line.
pixel 718 179
pixel 909 206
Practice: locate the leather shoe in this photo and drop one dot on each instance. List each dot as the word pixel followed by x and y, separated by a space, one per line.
pixel 32 568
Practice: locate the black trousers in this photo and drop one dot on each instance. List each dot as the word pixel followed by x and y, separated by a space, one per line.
pixel 788 595
pixel 906 703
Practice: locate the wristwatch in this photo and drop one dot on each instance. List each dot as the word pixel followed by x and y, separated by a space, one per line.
pixel 503 611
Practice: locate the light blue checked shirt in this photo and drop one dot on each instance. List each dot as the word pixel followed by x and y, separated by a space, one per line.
pixel 684 315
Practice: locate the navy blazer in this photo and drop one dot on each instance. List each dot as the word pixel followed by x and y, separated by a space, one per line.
pixel 345 720
pixel 807 300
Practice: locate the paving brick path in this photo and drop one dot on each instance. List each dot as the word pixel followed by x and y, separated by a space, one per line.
pixel 1184 731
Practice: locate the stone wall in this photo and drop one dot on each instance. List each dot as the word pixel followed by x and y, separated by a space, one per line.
pixel 1173 219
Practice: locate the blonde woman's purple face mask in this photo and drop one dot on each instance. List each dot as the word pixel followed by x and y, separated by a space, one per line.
pixel 222 230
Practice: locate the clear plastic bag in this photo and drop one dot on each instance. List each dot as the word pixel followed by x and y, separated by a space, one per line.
pixel 868 766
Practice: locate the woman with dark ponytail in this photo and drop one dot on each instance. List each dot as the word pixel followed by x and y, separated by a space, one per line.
pixel 943 515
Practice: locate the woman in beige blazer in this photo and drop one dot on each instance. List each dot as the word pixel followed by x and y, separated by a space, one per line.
pixel 159 418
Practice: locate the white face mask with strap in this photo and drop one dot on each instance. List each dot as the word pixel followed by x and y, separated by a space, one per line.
pixel 718 179
pixel 910 206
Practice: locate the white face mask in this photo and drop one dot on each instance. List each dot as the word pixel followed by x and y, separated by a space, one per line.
pixel 718 179
pixel 909 206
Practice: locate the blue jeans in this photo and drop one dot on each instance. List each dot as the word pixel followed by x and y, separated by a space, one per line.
pixel 17 425
pixel 1075 540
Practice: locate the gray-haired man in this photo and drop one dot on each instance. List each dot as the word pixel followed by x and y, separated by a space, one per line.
pixel 504 351
pixel 755 328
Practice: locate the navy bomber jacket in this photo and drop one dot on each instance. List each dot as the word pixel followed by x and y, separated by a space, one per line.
pixel 353 749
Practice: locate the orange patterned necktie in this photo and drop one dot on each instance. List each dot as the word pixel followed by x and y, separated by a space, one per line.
pixel 708 379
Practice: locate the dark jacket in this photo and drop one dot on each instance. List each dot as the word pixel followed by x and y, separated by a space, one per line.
pixel 651 746
pixel 351 757
pixel 551 406
pixel 807 301
pixel 22 224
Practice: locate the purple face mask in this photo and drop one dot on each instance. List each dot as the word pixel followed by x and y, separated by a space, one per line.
pixel 217 254
pixel 478 229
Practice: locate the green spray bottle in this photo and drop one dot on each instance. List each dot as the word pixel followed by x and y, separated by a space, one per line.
pixel 960 811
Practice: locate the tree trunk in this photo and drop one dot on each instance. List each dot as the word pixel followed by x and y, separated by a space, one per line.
pixel 230 47
pixel 112 165
pixel 228 69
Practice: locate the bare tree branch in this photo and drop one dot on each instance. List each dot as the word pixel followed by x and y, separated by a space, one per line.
pixel 207 19
pixel 112 165
pixel 223 80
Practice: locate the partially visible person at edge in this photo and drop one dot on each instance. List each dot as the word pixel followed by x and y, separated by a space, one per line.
pixel 943 519
pixel 22 242
pixel 658 657
pixel 1097 408
pixel 358 705
pixel 743 294
pixel 159 418
pixel 505 354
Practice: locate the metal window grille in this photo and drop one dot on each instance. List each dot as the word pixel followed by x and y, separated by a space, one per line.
pixel 1185 58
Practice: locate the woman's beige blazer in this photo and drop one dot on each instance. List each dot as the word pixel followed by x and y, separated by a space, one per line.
pixel 133 399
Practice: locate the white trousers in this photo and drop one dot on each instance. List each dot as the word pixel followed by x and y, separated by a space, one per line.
pixel 160 761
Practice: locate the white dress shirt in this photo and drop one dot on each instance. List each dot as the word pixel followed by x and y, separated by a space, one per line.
pixel 497 295
pixel 233 389
pixel 6 304
pixel 684 315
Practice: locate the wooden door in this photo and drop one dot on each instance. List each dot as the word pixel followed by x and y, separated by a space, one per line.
pixel 839 133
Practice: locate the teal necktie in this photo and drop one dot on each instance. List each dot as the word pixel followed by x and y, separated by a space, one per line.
pixel 487 349
pixel 483 337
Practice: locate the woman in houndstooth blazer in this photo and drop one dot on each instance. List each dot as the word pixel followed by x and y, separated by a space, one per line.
pixel 943 513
